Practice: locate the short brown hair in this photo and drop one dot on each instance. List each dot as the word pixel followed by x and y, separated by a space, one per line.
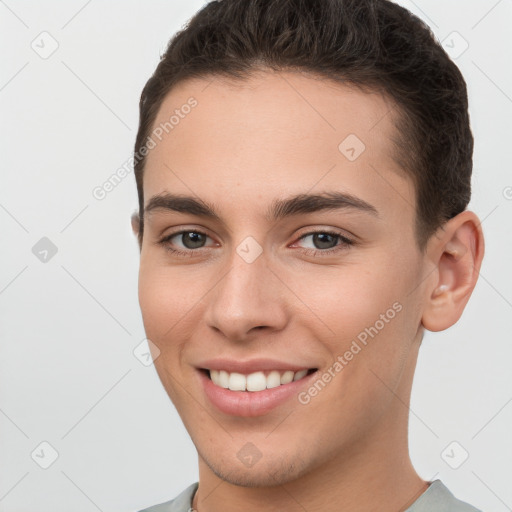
pixel 373 44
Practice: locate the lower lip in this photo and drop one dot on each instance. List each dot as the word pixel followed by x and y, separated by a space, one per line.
pixel 250 403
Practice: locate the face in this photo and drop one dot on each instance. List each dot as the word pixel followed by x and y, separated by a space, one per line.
pixel 283 297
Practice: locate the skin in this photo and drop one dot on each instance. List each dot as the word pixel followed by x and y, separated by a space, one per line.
pixel 243 146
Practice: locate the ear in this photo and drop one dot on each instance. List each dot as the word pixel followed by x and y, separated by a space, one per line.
pixel 135 223
pixel 135 220
pixel 457 250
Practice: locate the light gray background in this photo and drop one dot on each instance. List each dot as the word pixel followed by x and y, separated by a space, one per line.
pixel 68 374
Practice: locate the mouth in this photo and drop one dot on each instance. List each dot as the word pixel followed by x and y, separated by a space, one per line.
pixel 256 392
pixel 255 381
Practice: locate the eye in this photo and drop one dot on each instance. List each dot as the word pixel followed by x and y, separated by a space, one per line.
pixel 184 242
pixel 325 242
pixel 321 243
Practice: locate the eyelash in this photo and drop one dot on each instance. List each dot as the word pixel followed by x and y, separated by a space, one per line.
pixel 344 245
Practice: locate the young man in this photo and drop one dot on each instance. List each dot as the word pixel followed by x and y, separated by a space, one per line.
pixel 303 170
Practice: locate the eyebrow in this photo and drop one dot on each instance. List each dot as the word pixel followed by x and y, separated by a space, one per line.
pixel 279 209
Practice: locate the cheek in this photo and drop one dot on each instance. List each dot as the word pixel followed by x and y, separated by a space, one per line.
pixel 369 336
pixel 349 299
pixel 164 303
pixel 167 305
pixel 166 296
pixel 365 312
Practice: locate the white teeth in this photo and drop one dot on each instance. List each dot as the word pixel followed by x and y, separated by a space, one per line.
pixel 287 377
pixel 300 374
pixel 237 382
pixel 256 381
pixel 223 379
pixel 273 379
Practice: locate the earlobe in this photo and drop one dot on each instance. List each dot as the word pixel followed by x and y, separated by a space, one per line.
pixel 458 252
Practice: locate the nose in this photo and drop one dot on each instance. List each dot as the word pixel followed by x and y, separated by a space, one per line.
pixel 248 298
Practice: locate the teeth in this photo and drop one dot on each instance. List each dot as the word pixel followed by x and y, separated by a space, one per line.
pixel 237 382
pixel 287 377
pixel 223 379
pixel 300 374
pixel 256 381
pixel 273 379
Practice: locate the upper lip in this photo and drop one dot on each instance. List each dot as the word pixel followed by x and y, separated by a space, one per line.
pixel 250 366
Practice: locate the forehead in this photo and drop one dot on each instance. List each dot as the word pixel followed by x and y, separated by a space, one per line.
pixel 274 134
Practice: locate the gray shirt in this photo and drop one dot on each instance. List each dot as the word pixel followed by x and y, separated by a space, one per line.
pixel 437 498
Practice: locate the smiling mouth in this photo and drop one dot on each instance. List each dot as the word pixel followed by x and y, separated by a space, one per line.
pixel 256 381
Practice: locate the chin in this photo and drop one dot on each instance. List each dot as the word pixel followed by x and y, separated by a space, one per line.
pixel 264 473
